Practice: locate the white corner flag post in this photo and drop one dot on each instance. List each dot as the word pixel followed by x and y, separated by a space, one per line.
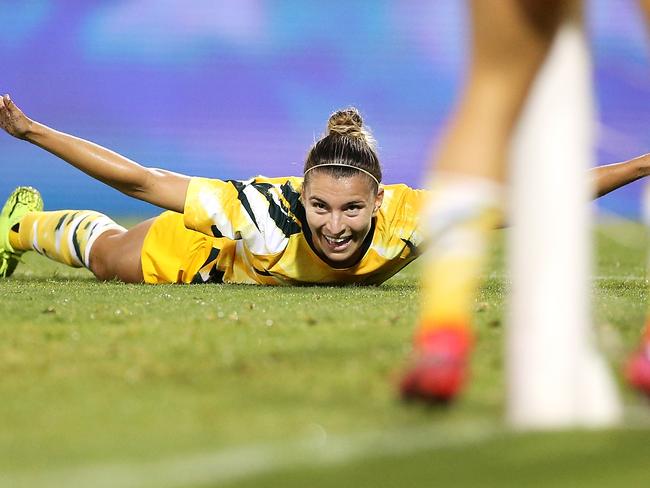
pixel 556 378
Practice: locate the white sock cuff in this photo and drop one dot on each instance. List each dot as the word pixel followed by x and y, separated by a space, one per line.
pixel 460 187
pixel 457 198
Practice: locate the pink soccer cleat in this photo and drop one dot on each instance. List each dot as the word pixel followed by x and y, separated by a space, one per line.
pixel 440 368
pixel 637 369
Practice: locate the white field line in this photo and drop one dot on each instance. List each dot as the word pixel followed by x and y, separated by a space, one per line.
pixel 228 465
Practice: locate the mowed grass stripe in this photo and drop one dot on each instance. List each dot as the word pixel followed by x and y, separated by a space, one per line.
pixel 229 465
pixel 535 459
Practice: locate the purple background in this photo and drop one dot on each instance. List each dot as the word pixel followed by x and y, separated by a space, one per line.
pixel 238 88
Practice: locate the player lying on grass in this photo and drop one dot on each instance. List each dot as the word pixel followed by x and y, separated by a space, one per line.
pixel 336 225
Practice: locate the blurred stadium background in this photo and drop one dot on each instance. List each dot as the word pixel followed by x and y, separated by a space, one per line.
pixel 233 89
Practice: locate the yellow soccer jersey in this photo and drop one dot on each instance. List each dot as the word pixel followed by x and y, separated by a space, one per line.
pixel 266 219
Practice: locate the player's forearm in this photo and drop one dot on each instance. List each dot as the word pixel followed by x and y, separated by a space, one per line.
pixel 94 160
pixel 158 187
pixel 612 176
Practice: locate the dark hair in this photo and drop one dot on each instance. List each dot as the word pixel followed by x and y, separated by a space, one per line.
pixel 346 143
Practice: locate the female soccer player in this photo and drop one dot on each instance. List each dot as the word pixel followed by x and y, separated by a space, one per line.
pixel 337 226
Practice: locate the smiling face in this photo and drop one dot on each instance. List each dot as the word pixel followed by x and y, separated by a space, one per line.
pixel 339 214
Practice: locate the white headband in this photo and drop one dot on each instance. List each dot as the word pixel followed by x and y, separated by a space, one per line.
pixel 345 166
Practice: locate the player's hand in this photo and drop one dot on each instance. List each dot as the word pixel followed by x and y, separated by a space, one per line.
pixel 12 120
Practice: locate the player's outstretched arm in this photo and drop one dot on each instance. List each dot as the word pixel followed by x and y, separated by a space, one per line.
pixel 612 176
pixel 159 187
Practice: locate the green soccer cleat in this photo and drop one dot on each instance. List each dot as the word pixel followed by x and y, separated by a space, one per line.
pixel 24 199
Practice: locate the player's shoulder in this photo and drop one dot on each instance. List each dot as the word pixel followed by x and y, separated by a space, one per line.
pixel 400 211
pixel 400 187
pixel 399 197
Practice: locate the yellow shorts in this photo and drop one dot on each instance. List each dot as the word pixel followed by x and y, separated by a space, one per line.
pixel 173 254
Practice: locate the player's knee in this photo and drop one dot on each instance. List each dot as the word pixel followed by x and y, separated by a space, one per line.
pixel 102 268
pixel 103 255
pixel 116 256
pixel 102 273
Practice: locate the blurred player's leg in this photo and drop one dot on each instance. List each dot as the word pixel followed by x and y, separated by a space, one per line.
pixel 637 369
pixel 511 39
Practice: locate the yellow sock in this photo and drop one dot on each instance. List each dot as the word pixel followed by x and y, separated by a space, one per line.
pixel 66 236
pixel 462 215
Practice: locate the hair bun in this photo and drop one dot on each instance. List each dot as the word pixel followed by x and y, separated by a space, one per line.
pixel 346 122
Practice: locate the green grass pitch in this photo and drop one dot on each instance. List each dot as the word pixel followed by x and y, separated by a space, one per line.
pixel 106 384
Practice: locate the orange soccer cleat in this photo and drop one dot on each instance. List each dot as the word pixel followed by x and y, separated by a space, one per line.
pixel 440 368
pixel 637 368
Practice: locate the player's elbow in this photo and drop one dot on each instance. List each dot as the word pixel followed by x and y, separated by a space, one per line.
pixel 142 184
pixel 162 188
